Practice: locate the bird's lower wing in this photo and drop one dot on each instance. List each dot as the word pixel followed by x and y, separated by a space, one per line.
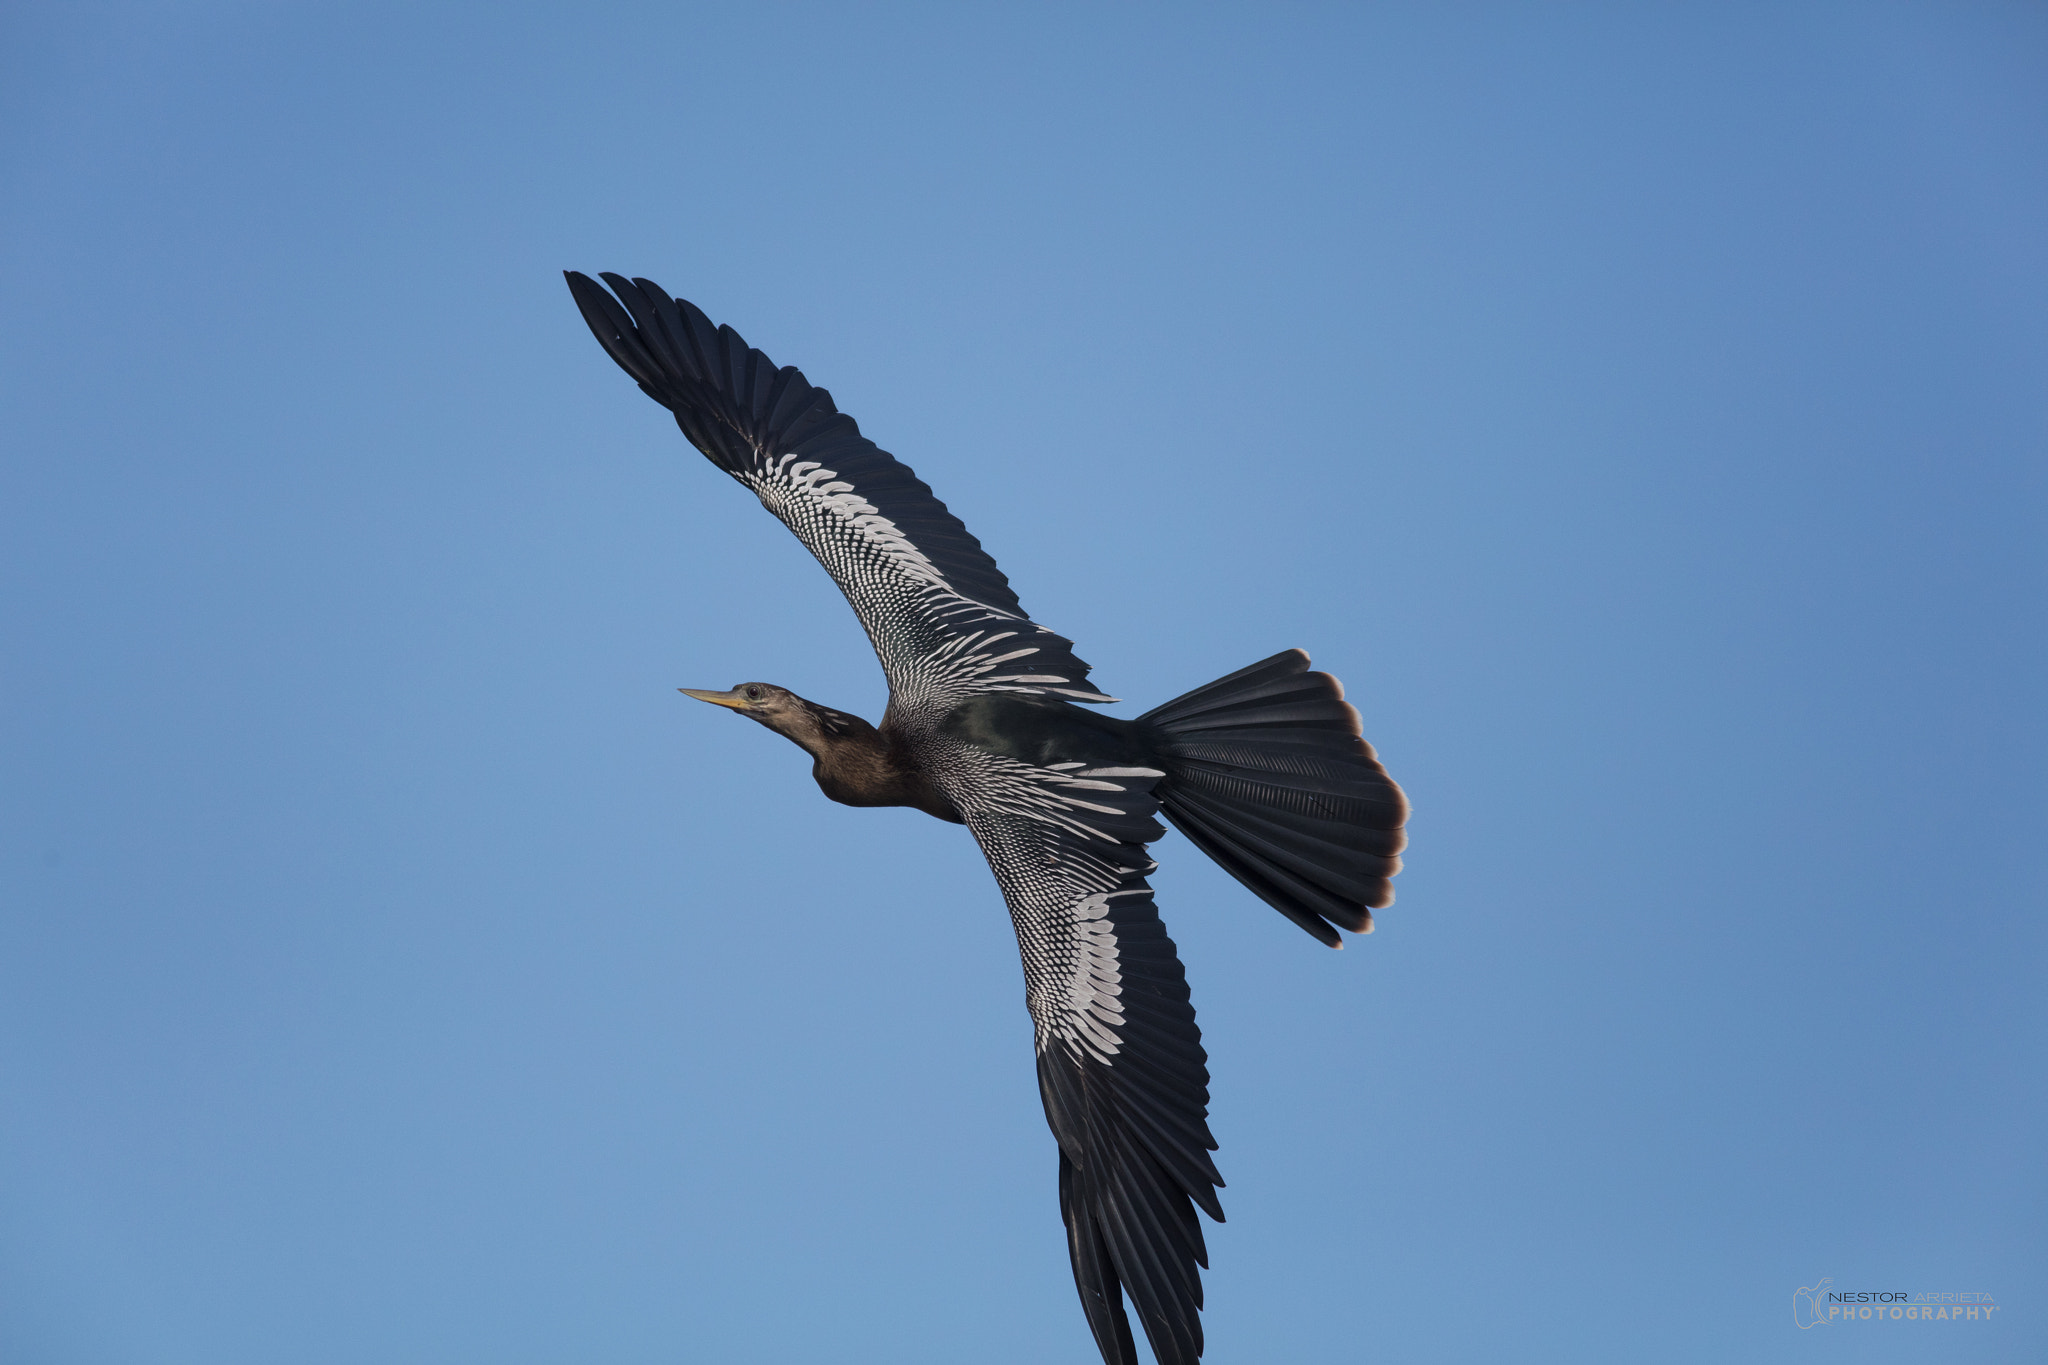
pixel 1120 1062
pixel 942 616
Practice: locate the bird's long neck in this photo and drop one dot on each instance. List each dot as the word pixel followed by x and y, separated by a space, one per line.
pixel 858 765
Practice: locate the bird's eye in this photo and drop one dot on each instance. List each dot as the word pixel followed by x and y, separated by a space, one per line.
pixel 753 694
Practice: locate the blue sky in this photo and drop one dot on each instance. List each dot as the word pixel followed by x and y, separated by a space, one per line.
pixel 1640 408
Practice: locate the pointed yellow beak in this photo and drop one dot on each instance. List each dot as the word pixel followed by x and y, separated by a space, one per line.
pixel 732 699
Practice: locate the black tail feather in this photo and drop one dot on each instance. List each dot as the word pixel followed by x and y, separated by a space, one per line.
pixel 1267 773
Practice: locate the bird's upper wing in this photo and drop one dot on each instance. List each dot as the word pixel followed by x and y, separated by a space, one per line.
pixel 942 617
pixel 1120 1062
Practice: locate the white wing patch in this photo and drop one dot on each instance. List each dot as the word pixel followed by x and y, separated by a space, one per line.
pixel 821 489
pixel 1094 1004
pixel 967 656
pixel 893 586
pixel 1043 794
pixel 1061 873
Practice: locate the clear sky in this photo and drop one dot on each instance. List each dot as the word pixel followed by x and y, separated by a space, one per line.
pixel 1641 408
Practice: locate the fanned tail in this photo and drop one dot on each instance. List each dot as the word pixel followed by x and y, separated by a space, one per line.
pixel 1267 773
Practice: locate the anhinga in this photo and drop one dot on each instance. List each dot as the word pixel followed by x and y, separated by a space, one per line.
pixel 1265 771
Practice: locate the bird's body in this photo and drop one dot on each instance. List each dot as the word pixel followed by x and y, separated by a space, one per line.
pixel 1264 770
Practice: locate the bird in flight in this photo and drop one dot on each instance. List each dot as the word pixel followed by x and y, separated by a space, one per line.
pixel 1263 770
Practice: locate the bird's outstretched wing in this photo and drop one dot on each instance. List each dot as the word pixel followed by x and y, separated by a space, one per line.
pixel 1120 1062
pixel 942 617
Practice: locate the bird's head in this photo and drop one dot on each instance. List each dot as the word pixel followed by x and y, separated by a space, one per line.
pixel 806 723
